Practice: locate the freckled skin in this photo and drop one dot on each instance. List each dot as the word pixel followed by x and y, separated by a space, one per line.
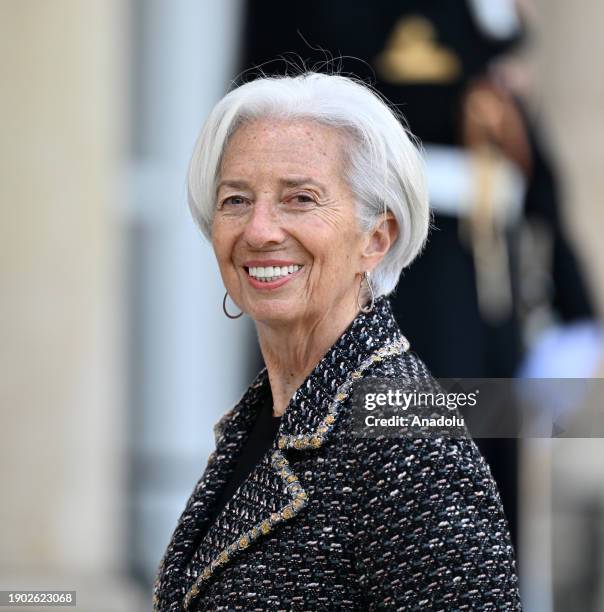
pixel 312 224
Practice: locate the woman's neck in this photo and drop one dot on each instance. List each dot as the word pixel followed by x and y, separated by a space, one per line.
pixel 292 352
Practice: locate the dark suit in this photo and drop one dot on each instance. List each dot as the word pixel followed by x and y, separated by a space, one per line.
pixel 331 521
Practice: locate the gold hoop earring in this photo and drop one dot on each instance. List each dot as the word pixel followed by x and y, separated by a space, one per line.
pixel 367 308
pixel 224 308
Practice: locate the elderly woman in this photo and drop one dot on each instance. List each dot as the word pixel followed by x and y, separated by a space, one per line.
pixel 313 197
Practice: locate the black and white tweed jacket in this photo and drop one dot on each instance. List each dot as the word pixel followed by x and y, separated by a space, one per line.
pixel 329 521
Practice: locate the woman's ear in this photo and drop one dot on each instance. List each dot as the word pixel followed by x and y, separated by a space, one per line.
pixel 379 240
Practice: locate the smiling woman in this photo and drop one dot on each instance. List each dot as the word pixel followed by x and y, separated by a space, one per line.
pixel 292 207
pixel 313 196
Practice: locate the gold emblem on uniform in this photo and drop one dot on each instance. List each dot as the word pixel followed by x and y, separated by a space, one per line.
pixel 413 55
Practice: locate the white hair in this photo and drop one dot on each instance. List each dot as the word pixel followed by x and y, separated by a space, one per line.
pixel 384 166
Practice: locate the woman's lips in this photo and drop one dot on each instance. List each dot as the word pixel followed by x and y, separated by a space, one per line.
pixel 263 285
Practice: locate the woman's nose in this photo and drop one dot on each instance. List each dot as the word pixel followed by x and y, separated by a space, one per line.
pixel 263 225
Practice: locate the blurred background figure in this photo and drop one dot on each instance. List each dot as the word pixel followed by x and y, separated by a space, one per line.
pixel 105 319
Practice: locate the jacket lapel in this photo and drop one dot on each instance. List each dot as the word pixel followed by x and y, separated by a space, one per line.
pixel 307 424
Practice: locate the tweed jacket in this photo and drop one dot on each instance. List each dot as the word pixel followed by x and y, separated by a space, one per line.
pixel 331 521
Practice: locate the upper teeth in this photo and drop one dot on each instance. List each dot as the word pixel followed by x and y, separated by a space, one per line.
pixel 270 273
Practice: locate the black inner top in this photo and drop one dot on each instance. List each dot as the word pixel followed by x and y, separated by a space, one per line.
pixel 261 438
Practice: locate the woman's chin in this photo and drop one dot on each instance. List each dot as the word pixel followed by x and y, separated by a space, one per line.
pixel 273 311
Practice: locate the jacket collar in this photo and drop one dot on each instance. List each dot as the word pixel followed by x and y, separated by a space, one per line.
pixel 307 424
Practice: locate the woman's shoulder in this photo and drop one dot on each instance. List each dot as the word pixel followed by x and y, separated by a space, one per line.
pixel 423 466
pixel 406 364
pixel 422 459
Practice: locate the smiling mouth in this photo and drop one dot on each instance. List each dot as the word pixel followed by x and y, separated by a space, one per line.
pixel 271 273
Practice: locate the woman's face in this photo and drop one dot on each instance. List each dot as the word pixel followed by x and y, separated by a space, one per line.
pixel 285 232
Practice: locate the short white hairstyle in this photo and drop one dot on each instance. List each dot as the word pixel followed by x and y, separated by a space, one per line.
pixel 384 166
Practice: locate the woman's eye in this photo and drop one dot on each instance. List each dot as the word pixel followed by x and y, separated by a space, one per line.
pixel 234 201
pixel 303 198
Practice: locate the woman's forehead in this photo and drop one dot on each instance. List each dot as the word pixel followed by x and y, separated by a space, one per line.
pixel 269 132
pixel 292 149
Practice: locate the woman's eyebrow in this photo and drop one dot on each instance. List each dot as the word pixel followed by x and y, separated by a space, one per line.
pixel 286 182
pixel 234 184
pixel 302 180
